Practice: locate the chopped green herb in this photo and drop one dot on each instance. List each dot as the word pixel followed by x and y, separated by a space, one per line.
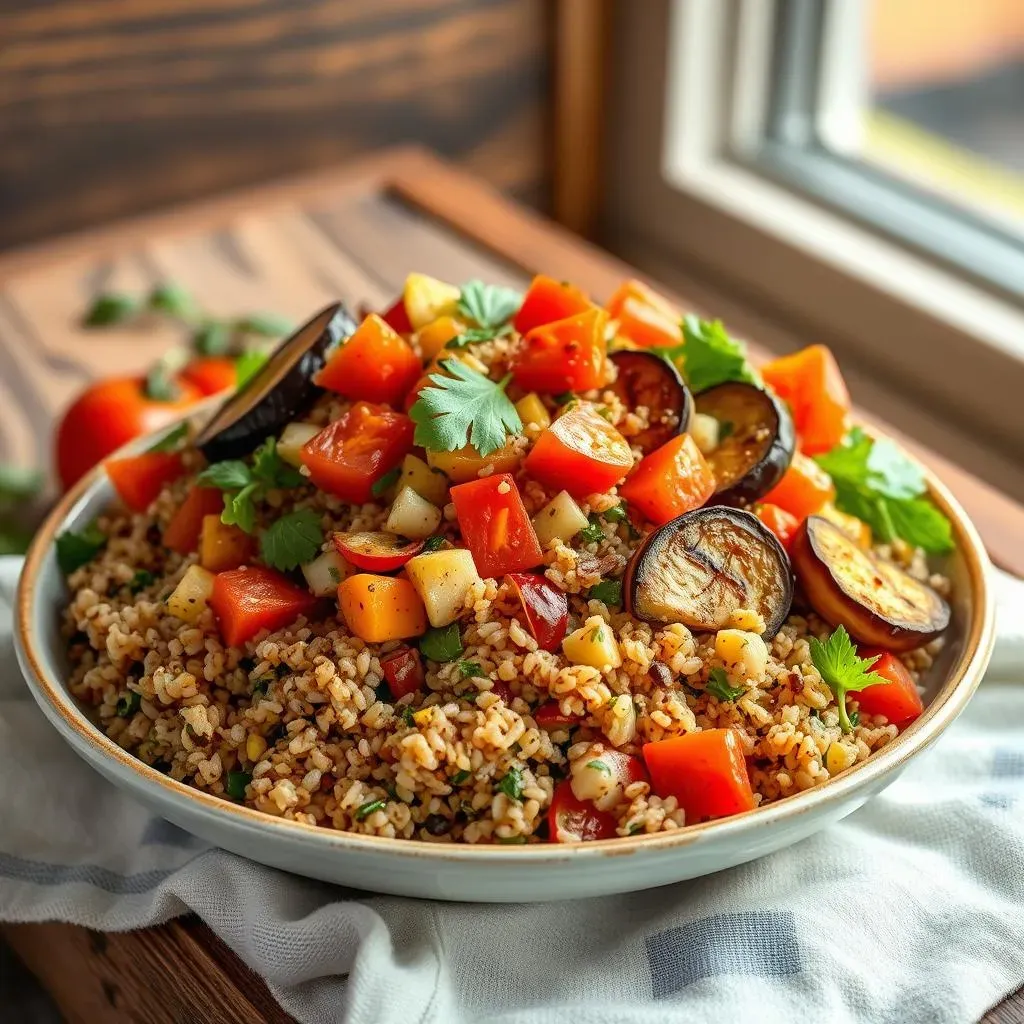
pixel 512 784
pixel 370 807
pixel 725 429
pixel 707 355
pixel 470 669
pixel 173 300
pixel 599 766
pixel 434 543
pixel 229 475
pixel 334 573
pixel 292 540
pixel 235 786
pixel 442 643
pixel 142 579
pixel 380 487
pixel 240 508
pixel 608 591
pixel 511 840
pixel 615 514
pixel 263 684
pixel 211 338
pixel 76 548
pixel 111 308
pixel 718 686
pixel 460 777
pixel 488 305
pixel 592 532
pixel 842 670
pixel 170 440
pixel 269 469
pixel 563 397
pixel 247 365
pixel 127 704
pixel 634 829
pixel 605 412
pixel 267 325
pixel 405 713
pixel 475 335
pixel 597 635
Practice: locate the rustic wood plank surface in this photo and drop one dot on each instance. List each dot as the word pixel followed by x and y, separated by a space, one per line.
pixel 286 247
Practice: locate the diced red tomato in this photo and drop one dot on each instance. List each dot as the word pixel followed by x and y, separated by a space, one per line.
pixel 504 691
pixel 547 300
pixel 138 479
pixel 803 490
pixel 549 716
pixel 672 480
pixel 645 317
pixel 810 381
pixel 254 598
pixel 403 671
pixel 897 698
pixel 705 771
pixel 397 318
pixel 571 820
pixel 211 375
pixel 182 533
pixel 375 364
pixel 495 526
pixel 375 550
pixel 782 523
pixel 580 452
pixel 545 606
pixel 349 455
pixel 565 355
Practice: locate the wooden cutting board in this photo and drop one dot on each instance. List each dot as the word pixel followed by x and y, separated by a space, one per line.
pixel 287 248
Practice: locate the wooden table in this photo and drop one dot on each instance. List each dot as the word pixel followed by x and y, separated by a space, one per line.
pixel 289 248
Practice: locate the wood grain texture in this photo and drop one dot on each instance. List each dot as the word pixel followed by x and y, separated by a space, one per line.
pixel 110 107
pixel 288 247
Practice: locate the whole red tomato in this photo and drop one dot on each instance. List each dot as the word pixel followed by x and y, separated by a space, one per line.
pixel 109 414
pixel 211 375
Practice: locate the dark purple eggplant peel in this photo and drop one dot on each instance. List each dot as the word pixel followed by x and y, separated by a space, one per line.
pixel 646 379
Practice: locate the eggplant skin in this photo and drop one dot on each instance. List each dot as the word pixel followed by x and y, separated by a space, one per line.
pixel 706 564
pixel 279 392
pixel 879 604
pixel 763 459
pixel 646 379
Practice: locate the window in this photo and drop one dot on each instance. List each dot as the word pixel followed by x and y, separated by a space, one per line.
pixel 853 172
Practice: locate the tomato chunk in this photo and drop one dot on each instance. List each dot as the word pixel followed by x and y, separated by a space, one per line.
pixel 549 716
pixel 672 480
pixel 782 523
pixel 546 608
pixel 705 771
pixel 495 526
pixel 396 317
pixel 182 533
pixel 254 598
pixel 139 479
pixel 565 355
pixel 580 452
pixel 645 317
pixel 375 364
pixel 375 550
pixel 403 670
pixel 805 488
pixel 897 698
pixel 547 300
pixel 211 375
pixel 349 455
pixel 571 820
pixel 810 381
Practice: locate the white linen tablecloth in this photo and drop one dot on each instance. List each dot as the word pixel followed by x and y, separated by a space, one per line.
pixel 911 909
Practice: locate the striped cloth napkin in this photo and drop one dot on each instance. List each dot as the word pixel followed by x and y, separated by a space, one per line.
pixel 910 910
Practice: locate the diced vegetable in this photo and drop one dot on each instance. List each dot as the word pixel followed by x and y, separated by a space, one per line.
pixel 803 490
pixel 223 547
pixel 593 644
pixel 325 572
pixel 548 300
pixel 466 463
pixel 561 518
pixel 375 364
pixel 442 579
pixel 191 596
pixel 644 316
pixel 139 479
pixel 381 608
pixel 495 525
pixel 743 653
pixel 396 317
pixel 600 775
pixel 705 431
pixel 545 606
pixel 412 515
pixel 254 598
pixel 705 771
pixel 571 820
pixel 810 381
pixel 435 335
pixel 293 439
pixel 182 533
pixel 549 716
pixel 426 299
pixel 783 524
pixel 670 481
pixel 566 355
pixel 898 698
pixel 375 550
pixel 426 482
pixel 580 452
pixel 532 412
pixel 349 455
pixel 403 670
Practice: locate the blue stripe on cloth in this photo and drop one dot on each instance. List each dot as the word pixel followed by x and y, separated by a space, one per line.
pixel 1008 764
pixel 162 833
pixel 40 873
pixel 998 801
pixel 757 943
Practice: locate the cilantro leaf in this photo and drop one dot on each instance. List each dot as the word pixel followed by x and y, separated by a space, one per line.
pixel 111 308
pixel 211 338
pixel 609 591
pixel 471 669
pixel 842 670
pixel 442 643
pixel 247 365
pixel 173 300
pixel 292 540
pixel 229 475
pixel 76 548
pixel 380 487
pixel 269 469
pixel 142 579
pixel 592 532
pixel 475 335
pixel 170 440
pixel 434 543
pixel 488 305
pixel 710 356
pixel 512 784
pixel 718 686
pixel 464 408
pixel 240 508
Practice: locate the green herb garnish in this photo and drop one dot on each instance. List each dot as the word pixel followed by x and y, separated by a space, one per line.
pixel 434 543
pixel 471 669
pixel 599 766
pixel 476 335
pixel 142 579
pixel 609 591
pixel 460 777
pixel 247 365
pixel 718 686
pixel 512 784
pixel 405 713
pixel 615 514
pixel 592 532
pixel 112 308
pixel 707 355
pixel 488 305
pixel 127 704
pixel 212 338
pixel 77 547
pixel 380 487
pixel 292 540
pixel 442 643
pixel 842 670
pixel 370 807
pixel 236 783
pixel 173 300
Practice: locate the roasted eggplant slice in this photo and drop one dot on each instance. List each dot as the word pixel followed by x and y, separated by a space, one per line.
pixel 647 379
pixel 281 390
pixel 877 602
pixel 756 441
pixel 707 564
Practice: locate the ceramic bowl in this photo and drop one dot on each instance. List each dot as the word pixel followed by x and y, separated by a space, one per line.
pixel 491 873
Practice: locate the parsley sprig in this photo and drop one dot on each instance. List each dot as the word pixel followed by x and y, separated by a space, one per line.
pixel 292 540
pixel 461 406
pixel 718 686
pixel 876 482
pixel 488 305
pixel 708 356
pixel 843 670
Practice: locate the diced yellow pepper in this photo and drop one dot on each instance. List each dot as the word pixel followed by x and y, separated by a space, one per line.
pixel 426 299
pixel 465 464
pixel 381 608
pixel 189 598
pixel 426 482
pixel 255 746
pixel 532 412
pixel 433 338
pixel 223 547
pixel 593 644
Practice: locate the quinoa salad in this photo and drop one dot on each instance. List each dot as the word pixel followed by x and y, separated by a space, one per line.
pixel 500 568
